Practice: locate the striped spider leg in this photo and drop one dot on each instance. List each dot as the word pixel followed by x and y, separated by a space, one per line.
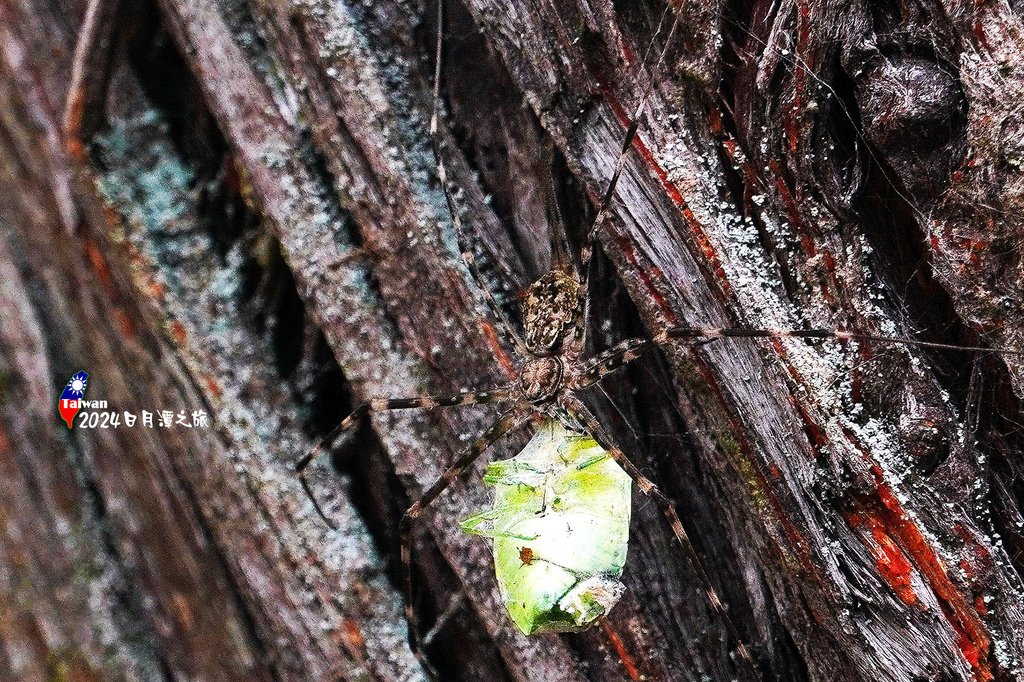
pixel 587 251
pixel 510 333
pixel 627 351
pixel 590 239
pixel 509 421
pixel 427 402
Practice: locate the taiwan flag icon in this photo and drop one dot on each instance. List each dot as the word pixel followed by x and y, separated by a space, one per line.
pixel 70 400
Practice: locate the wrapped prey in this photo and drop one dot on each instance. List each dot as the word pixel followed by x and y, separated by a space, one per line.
pixel 559 528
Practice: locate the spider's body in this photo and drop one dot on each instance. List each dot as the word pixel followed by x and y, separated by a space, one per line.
pixel 553 315
pixel 559 524
pixel 541 379
pixel 552 319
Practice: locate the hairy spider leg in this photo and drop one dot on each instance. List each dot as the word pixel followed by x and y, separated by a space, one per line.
pixel 382 405
pixel 512 335
pixel 587 251
pixel 576 407
pixel 606 362
pixel 627 351
pixel 838 334
pixel 455 604
pixel 558 238
pixel 512 419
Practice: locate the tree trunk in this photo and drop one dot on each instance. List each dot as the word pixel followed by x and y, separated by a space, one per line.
pixel 240 214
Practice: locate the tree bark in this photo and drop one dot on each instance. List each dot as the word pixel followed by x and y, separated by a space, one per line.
pixel 239 213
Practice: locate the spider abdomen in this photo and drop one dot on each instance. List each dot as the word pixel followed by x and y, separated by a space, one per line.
pixel 559 527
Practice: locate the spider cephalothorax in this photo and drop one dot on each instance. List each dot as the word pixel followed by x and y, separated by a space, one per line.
pixel 541 378
pixel 551 312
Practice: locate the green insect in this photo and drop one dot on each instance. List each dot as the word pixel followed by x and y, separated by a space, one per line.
pixel 560 530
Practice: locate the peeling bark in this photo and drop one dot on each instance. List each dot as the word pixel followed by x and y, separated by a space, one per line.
pixel 241 214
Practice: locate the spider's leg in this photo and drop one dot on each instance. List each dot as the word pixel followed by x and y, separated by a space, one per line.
pixel 455 604
pixel 508 421
pixel 466 250
pixel 381 405
pixel 839 335
pixel 575 406
pixel 606 362
pixel 90 73
pixel 587 252
pixel 627 351
pixel 620 355
pixel 558 238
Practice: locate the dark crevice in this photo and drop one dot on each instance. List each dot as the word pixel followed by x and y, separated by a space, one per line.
pixel 1001 436
pixel 639 19
pixel 501 142
pixel 839 144
pixel 570 214
pixel 347 230
pixel 900 252
pixel 270 299
pixel 886 15
pixel 169 87
pixel 128 601
pixel 286 334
